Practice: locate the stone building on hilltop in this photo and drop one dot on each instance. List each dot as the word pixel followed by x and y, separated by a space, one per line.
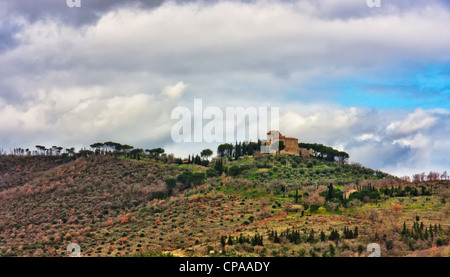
pixel 290 143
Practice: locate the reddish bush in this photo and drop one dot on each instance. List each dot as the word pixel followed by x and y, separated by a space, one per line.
pixel 123 240
pixel 124 220
pixel 396 208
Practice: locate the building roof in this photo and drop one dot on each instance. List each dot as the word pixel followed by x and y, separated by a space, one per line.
pixel 280 135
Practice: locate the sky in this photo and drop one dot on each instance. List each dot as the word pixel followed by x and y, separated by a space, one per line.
pixel 373 82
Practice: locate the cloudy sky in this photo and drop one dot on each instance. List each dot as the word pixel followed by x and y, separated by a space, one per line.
pixel 374 82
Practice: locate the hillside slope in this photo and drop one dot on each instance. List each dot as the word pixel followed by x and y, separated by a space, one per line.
pixel 73 196
pixel 264 206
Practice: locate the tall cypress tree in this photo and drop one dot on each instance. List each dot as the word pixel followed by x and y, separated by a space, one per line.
pixel 404 230
pixel 330 194
pixel 219 166
pixel 276 239
pixel 223 241
pixel 230 240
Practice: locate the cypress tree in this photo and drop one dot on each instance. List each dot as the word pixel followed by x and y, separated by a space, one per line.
pixel 332 250
pixel 257 240
pixel 276 239
pixel 334 235
pixel 241 239
pixel 311 235
pixel 219 166
pixel 230 240
pixel 404 231
pixel 223 241
pixel 330 194
pixel 250 149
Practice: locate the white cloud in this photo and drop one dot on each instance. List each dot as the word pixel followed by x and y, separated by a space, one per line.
pixel 135 118
pixel 262 36
pixel 368 136
pixel 419 120
pixel 418 142
pixel 323 122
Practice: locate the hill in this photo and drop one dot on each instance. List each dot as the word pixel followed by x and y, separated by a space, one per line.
pixel 259 205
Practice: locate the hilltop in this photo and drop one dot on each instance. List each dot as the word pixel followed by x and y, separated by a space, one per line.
pixel 252 205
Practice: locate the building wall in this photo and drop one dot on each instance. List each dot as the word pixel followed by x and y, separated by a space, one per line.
pixel 291 144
